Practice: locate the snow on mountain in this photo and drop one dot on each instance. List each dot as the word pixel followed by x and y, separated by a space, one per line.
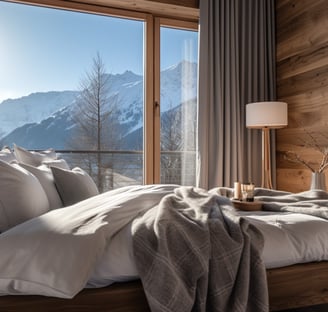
pixel 32 108
pixel 50 132
pixel 42 120
pixel 178 85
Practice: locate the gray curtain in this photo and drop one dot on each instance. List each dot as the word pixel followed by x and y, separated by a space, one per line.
pixel 236 67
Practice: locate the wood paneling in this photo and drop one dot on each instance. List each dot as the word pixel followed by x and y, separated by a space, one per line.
pixel 302 82
pixel 183 10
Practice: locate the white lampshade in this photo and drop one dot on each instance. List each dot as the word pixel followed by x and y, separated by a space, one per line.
pixel 266 115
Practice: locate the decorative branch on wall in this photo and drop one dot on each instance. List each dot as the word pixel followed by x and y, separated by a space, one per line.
pixel 312 143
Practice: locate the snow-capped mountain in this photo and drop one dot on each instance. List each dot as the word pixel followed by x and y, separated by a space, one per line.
pixel 42 120
pixel 32 108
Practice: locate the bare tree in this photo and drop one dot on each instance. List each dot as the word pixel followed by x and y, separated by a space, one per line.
pixel 178 144
pixel 96 123
pixel 171 145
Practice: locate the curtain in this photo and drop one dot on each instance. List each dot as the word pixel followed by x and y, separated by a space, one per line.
pixel 236 67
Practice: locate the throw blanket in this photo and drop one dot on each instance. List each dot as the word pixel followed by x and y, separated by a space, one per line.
pixel 194 254
pixel 314 202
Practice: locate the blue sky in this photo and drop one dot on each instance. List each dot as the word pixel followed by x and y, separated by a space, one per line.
pixel 44 49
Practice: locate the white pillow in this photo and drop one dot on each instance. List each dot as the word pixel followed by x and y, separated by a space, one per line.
pixel 46 179
pixel 74 185
pixel 7 155
pixel 33 158
pixel 59 163
pixel 21 196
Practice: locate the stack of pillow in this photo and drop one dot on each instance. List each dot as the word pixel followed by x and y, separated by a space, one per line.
pixel 32 183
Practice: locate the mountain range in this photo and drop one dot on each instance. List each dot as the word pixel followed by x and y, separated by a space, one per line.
pixel 45 119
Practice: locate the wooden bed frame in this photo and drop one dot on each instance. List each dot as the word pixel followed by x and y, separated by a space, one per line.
pixel 289 287
pixel 298 285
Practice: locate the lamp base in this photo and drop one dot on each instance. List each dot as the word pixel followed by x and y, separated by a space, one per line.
pixel 266 160
pixel 266 180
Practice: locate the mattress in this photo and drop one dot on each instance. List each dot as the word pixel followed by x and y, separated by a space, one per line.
pixel 289 238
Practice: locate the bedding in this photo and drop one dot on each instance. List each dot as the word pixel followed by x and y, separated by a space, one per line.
pixel 204 257
pixel 7 155
pixel 46 179
pixel 21 196
pixel 290 238
pixel 294 225
pixel 62 186
pixel 314 202
pixel 59 163
pixel 73 185
pixel 64 245
pixel 89 233
pixel 33 158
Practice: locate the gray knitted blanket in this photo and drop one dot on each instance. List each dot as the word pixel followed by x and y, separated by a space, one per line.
pixel 314 202
pixel 194 254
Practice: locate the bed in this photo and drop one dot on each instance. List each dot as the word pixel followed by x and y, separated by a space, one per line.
pixel 289 285
pixel 64 247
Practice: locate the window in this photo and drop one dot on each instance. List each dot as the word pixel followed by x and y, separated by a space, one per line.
pixel 178 99
pixel 83 84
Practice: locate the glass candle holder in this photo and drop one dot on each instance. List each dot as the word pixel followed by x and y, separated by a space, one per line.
pixel 247 190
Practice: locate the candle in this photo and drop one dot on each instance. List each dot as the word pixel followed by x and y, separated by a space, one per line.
pixel 237 190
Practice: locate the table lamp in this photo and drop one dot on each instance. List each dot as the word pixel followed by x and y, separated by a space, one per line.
pixel 266 116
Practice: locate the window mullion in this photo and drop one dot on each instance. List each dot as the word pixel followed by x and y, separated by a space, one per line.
pixel 156 102
pixel 149 102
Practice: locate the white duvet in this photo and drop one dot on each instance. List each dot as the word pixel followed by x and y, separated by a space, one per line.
pixel 89 244
pixel 57 253
pixel 290 238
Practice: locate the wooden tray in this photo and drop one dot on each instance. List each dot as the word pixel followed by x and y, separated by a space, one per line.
pixel 247 206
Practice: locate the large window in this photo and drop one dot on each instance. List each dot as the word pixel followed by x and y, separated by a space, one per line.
pixel 82 84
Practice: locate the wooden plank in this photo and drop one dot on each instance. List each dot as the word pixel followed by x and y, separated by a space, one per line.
pixel 305 82
pixel 289 11
pixel 300 63
pixel 306 285
pixel 119 297
pixel 295 140
pixel 303 31
pixel 158 8
pixel 87 7
pixel 187 9
pixel 308 101
pixel 185 3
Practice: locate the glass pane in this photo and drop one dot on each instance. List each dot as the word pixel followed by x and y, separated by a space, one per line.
pixel 178 97
pixel 69 81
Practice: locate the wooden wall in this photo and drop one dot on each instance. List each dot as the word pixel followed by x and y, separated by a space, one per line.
pixel 302 82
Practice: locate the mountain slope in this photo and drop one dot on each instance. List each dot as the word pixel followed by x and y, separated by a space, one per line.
pixel 32 108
